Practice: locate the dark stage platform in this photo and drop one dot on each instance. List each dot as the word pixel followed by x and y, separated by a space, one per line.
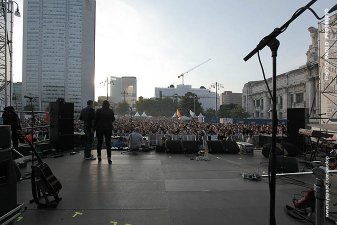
pixel 160 189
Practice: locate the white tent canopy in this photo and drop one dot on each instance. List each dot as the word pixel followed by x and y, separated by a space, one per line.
pixel 137 114
pixel 201 118
pixel 144 115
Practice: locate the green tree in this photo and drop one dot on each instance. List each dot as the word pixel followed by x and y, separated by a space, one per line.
pixel 210 113
pixel 122 108
pixel 232 111
pixel 188 102
pixel 156 106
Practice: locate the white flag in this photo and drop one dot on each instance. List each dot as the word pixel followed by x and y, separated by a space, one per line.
pixel 192 113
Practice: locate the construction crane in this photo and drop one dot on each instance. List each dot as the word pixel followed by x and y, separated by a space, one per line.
pixel 183 74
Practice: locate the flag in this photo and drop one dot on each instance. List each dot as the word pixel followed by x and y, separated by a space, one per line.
pixel 192 114
pixel 178 114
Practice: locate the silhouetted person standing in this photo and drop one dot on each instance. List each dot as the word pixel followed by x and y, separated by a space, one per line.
pixel 88 117
pixel 11 118
pixel 104 119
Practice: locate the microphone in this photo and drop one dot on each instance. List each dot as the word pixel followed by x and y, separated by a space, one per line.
pixel 28 97
pixel 333 9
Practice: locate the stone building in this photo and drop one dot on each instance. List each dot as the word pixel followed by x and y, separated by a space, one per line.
pixel 298 88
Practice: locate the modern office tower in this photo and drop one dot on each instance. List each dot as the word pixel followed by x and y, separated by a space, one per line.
pixel 124 89
pixel 17 96
pixel 228 97
pixel 59 51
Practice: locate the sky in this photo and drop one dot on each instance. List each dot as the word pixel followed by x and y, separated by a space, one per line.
pixel 156 41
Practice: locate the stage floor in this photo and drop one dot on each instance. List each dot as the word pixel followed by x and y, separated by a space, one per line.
pixel 161 189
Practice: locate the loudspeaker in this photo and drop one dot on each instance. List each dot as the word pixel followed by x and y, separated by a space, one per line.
pixel 8 195
pixel 61 125
pixel 297 118
pixel 5 134
pixel 232 147
pixel 191 147
pixel 174 146
pixel 286 164
pixel 215 147
pixel 288 148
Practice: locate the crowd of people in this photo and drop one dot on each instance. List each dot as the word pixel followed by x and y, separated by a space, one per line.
pixel 163 125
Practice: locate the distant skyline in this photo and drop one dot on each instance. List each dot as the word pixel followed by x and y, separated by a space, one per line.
pixel 156 41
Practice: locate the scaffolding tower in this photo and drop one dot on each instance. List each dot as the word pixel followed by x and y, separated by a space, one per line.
pixel 6 52
pixel 328 68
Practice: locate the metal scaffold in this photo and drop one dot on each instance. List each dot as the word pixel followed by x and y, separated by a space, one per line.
pixel 6 50
pixel 328 67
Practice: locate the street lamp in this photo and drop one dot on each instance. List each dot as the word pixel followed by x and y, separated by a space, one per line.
pixel 194 98
pixel 217 87
pixel 6 41
pixel 107 82
pixel 124 93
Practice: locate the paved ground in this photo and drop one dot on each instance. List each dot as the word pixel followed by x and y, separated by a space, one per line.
pixel 160 189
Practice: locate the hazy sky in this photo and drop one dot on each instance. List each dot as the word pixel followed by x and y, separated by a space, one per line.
pixel 157 40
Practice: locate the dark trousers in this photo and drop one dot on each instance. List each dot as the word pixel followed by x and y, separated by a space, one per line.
pixel 89 139
pixel 107 136
pixel 15 139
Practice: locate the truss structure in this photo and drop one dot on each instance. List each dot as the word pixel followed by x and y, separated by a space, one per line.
pixel 328 67
pixel 6 33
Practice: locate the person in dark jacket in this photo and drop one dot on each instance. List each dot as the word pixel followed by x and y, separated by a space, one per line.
pixel 88 117
pixel 103 122
pixel 10 117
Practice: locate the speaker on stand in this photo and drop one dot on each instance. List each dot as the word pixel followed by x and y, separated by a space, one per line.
pixel 61 125
pixel 297 118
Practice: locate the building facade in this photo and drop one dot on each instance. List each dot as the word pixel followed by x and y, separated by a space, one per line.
pixel 206 97
pixel 59 51
pixel 17 96
pixel 228 97
pixel 123 89
pixel 297 88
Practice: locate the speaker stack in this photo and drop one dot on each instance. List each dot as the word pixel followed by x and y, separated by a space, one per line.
pixel 8 195
pixel 61 125
pixel 297 118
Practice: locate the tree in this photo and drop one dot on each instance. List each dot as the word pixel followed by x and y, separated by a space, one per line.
pixel 122 108
pixel 156 106
pixel 188 102
pixel 210 113
pixel 232 111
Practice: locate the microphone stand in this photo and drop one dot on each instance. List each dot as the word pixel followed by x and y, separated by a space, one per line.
pixel 271 41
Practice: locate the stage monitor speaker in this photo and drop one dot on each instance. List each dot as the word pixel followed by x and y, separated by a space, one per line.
pixel 61 125
pixel 286 164
pixel 5 134
pixel 191 147
pixel 297 118
pixel 232 147
pixel 174 146
pixel 286 148
pixel 8 195
pixel 215 147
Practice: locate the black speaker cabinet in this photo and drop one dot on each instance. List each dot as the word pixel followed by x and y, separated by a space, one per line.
pixel 8 195
pixel 61 125
pixel 232 147
pixel 215 147
pixel 174 146
pixel 297 118
pixel 286 164
pixel 191 147
pixel 5 134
